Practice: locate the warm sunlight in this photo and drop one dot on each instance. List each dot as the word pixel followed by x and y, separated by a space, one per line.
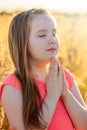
pixel 71 18
pixel 61 5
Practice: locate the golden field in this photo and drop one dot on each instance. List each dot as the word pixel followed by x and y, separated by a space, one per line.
pixel 72 33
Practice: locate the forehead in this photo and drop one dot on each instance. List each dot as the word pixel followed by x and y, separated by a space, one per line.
pixel 43 22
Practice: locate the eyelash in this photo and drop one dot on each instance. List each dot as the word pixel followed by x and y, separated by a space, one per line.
pixel 45 35
pixel 54 35
pixel 42 36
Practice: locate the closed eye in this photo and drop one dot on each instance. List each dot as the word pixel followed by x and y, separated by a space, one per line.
pixel 42 36
pixel 54 35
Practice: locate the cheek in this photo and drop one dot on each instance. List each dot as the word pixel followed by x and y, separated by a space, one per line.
pixel 36 49
pixel 37 46
pixel 40 45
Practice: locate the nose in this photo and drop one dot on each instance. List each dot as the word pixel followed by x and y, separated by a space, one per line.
pixel 52 41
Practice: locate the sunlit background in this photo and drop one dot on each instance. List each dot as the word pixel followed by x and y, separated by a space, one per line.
pixel 61 5
pixel 71 16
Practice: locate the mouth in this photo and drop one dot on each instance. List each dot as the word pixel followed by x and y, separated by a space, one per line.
pixel 51 49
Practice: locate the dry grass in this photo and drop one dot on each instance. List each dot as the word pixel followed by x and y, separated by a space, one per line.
pixel 72 32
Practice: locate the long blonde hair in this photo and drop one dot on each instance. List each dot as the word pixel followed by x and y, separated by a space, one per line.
pixel 18 38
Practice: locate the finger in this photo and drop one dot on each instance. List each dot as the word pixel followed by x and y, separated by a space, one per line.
pixel 47 75
pixel 64 79
pixel 52 61
pixel 52 66
pixel 63 73
pixel 65 85
pixel 56 69
pixel 58 66
pixel 60 71
pixel 63 76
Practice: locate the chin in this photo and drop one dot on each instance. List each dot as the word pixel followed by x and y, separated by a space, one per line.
pixel 52 56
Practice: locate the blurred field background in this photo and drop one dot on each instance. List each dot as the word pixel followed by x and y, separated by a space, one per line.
pixel 72 33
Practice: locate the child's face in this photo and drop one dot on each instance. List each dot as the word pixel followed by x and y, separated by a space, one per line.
pixel 43 29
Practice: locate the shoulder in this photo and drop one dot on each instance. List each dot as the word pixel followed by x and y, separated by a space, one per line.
pixel 12 81
pixel 69 77
pixel 10 95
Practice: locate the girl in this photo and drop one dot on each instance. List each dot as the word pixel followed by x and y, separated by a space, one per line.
pixel 34 96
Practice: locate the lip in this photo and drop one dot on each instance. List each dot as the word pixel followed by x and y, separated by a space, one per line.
pixel 51 49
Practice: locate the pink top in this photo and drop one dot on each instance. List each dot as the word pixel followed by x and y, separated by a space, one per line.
pixel 60 119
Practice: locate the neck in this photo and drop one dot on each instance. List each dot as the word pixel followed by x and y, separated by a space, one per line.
pixel 39 71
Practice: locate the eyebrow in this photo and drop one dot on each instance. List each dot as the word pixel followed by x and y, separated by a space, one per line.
pixel 43 30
